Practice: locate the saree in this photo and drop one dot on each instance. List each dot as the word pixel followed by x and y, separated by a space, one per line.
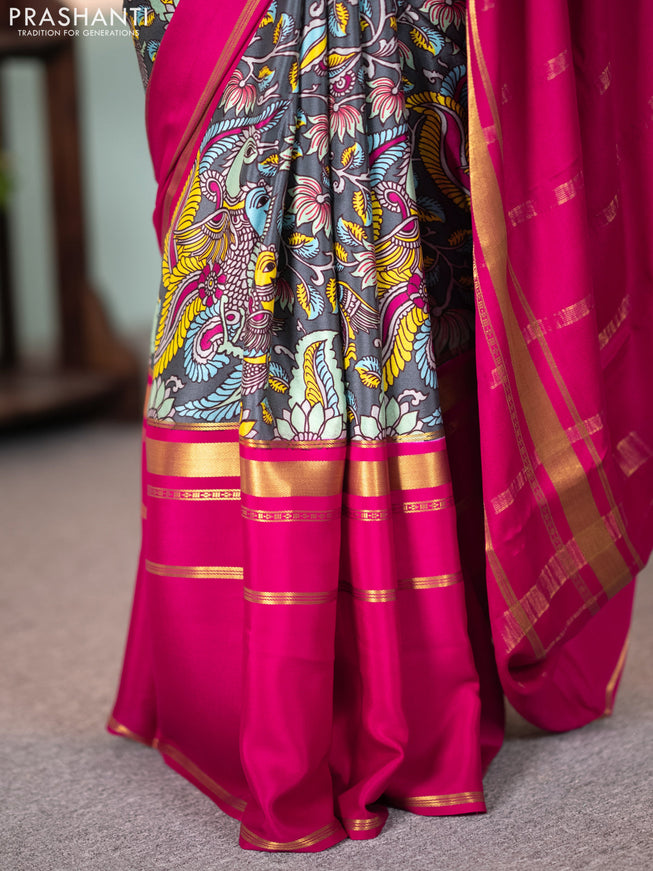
pixel 395 459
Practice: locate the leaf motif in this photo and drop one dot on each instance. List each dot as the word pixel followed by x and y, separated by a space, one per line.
pixel 308 245
pixel 369 371
pixel 429 209
pixel 377 215
pixel 420 40
pixel 458 237
pixel 369 379
pixel 310 300
pixel 293 76
pixel 336 59
pixel 279 28
pixel 403 344
pixel 361 206
pixel 332 293
pixel 326 377
pixel 267 414
pixel 313 392
pixel 350 232
pixel 341 253
pixel 277 378
pixel 342 14
pixel 313 46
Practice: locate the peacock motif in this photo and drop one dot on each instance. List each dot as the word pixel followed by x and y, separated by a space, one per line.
pixel 318 263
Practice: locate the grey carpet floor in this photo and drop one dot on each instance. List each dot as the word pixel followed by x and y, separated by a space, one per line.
pixel 73 798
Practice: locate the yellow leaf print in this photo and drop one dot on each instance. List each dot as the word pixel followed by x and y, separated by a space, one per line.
pixel 332 292
pixel 342 14
pixel 313 392
pixel 293 75
pixel 369 378
pixel 347 155
pixel 341 254
pixel 377 215
pixel 421 41
pixel 267 415
pixel 360 205
pixel 356 230
pixel 303 298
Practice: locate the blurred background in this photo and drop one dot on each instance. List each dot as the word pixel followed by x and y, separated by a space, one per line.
pixel 79 264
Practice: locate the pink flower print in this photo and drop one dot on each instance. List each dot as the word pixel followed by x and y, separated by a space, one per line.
pixel 345 119
pixel 387 99
pixel 211 284
pixel 238 94
pixel 318 132
pixel 312 205
pixel 443 13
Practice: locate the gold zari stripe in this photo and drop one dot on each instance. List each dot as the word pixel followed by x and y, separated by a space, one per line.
pixel 260 597
pixel 225 572
pixel 362 825
pixel 193 459
pixel 416 471
pixel 552 447
pixel 442 800
pixel 368 595
pixel 616 674
pixel 432 582
pixel 367 478
pixel 420 507
pixel 291 478
pixel 189 495
pixel 289 516
pixel 119 729
pixel 307 841
pixel 367 513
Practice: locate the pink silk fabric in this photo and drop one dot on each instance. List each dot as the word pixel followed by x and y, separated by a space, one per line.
pixel 300 656
pixel 561 137
pixel 315 626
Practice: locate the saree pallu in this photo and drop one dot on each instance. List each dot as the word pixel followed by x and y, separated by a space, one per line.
pixel 340 543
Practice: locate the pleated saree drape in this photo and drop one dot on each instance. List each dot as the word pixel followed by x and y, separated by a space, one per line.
pixel 395 460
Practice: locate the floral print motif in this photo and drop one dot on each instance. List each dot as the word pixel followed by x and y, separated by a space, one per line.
pixel 318 266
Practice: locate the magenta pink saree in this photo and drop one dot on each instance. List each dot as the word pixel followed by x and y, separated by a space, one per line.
pixel 347 560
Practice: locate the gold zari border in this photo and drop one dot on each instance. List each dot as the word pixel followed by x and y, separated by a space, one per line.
pixel 225 572
pixel 616 674
pixel 278 597
pixel 368 595
pixel 307 841
pixel 431 582
pixel 289 515
pixel 190 495
pixel 443 800
pixel 291 478
pixel 362 825
pixel 119 729
pixel 193 459
pixel 551 444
